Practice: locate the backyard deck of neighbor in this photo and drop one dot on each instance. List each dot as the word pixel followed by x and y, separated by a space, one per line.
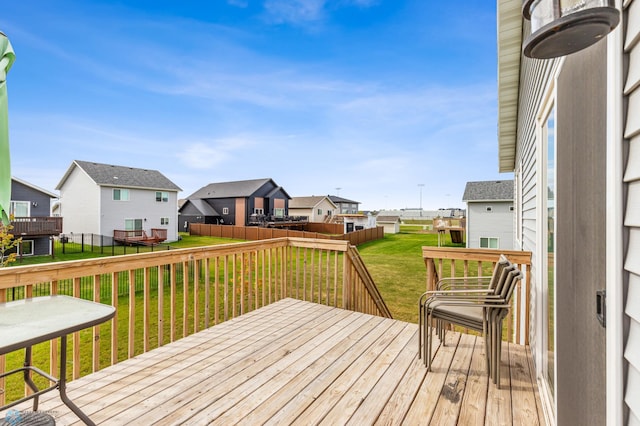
pixel 296 362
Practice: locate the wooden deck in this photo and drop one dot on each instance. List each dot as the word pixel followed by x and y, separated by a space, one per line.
pixel 295 362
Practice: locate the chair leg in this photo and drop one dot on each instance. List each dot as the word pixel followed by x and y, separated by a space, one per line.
pixel 419 330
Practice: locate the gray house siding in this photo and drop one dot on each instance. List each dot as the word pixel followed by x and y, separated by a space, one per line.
pixel 39 206
pixel 632 213
pixel 535 77
pixel 490 220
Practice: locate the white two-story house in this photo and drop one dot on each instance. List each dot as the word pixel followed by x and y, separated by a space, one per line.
pixel 102 198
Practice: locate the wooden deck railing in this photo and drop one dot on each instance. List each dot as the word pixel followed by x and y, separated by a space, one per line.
pixel 36 226
pixel 444 262
pixel 187 290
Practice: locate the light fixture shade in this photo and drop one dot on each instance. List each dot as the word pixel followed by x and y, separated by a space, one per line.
pixel 562 27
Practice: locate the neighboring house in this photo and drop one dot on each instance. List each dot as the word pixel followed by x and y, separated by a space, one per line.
pixel 344 206
pixel 569 128
pixel 355 222
pixel 30 210
pixel 102 198
pixel 391 224
pixel 489 214
pixel 233 203
pixel 315 208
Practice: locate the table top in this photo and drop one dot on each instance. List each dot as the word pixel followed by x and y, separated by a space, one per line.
pixel 27 322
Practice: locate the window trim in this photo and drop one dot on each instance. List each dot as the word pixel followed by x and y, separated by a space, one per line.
pixel 163 198
pixel 12 207
pixel 489 239
pixel 31 243
pixel 121 191
pixel 225 210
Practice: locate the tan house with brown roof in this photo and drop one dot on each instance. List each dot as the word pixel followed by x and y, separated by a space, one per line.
pixel 316 208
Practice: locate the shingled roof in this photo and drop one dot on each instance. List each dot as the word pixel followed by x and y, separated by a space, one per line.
pixel 307 202
pixel 241 188
pixel 121 176
pixel 493 190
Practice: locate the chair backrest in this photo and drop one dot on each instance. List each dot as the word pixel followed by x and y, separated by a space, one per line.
pixel 510 284
pixel 498 275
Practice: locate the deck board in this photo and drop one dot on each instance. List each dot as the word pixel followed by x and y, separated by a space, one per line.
pixel 296 362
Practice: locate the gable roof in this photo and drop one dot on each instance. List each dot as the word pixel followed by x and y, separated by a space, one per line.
pixel 240 188
pixel 308 202
pixel 121 176
pixel 202 206
pixel 337 199
pixel 32 186
pixel 493 190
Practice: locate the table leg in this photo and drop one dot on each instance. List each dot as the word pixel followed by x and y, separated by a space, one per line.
pixel 62 384
pixel 27 376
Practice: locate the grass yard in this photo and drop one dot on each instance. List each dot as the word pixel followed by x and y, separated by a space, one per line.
pixel 397 267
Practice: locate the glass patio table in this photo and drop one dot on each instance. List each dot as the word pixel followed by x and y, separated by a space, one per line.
pixel 24 323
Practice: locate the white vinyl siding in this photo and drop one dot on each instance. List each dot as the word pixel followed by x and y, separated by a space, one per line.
pixel 536 80
pixel 632 214
pixel 490 220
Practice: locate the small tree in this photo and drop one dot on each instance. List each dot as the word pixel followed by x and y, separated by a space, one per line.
pixel 8 245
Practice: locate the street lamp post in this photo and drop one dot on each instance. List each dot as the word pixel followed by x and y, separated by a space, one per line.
pixel 420 185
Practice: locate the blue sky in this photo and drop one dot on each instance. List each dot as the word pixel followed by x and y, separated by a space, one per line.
pixel 371 96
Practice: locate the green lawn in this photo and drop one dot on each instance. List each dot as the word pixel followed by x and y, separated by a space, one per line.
pixel 397 267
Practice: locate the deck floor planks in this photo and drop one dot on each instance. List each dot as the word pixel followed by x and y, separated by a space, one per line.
pixel 267 400
pixel 300 362
pixel 522 395
pixel 332 395
pixel 361 388
pixel 424 404
pixel 162 376
pixel 278 374
pixel 499 400
pixel 474 403
pixel 454 387
pixel 293 407
pixel 387 386
pixel 227 373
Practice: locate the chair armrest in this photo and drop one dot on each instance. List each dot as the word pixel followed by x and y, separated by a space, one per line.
pixel 462 282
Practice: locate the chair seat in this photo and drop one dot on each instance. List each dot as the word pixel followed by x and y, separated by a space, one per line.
pixel 466 316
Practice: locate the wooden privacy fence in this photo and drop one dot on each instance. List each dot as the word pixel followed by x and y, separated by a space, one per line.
pixel 443 262
pixel 255 233
pixel 179 292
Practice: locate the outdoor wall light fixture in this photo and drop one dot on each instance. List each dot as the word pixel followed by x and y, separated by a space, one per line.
pixel 561 27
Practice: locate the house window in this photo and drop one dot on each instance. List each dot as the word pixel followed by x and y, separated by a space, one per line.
pixel 19 209
pixel 489 208
pixel 319 212
pixel 164 221
pixel 133 224
pixel 26 248
pixel 162 197
pixel 120 194
pixel 225 210
pixel 258 211
pixel 488 242
pixel 278 212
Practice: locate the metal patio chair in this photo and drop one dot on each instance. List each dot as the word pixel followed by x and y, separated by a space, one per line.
pixel 477 303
